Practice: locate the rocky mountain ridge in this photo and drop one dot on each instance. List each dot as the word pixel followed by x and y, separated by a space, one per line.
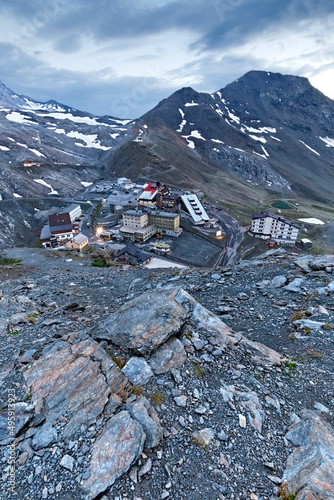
pixel 203 406
pixel 270 130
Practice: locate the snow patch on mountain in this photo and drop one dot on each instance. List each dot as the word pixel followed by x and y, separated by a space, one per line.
pixel 192 103
pixel 329 142
pixel 308 147
pixel 90 140
pixel 4 148
pixel 256 138
pixel 16 117
pixel 40 181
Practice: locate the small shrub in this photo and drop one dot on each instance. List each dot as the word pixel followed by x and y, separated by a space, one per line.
pixel 284 491
pixel 98 262
pixel 27 397
pixel 198 369
pixel 307 330
pixel 14 332
pixel 298 315
pixel 327 326
pixel 137 390
pixel 158 398
pixel 313 353
pixel 119 361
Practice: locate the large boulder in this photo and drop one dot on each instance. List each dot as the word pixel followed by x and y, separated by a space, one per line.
pixel 310 468
pixel 115 450
pixel 75 380
pixel 144 323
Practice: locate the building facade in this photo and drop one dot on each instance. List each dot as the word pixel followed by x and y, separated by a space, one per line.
pixel 267 225
pixel 165 222
pixel 135 218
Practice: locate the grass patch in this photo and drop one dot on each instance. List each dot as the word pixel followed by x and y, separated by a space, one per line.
pixel 307 331
pixel 198 443
pixel 327 326
pixel 298 315
pixel 14 332
pixel 100 263
pixel 198 369
pixel 158 398
pixel 27 397
pixel 9 262
pixel 137 390
pixel 119 361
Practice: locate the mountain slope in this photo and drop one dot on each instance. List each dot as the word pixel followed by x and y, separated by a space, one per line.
pixel 270 130
pixel 52 132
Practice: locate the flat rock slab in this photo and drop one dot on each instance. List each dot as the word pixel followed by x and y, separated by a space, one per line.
pixel 144 323
pixel 170 355
pixel 310 467
pixel 75 380
pixel 115 450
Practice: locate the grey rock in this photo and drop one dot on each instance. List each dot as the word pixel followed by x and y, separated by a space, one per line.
pixel 295 285
pixel 146 468
pixel 181 401
pixel 27 357
pixel 215 276
pixel 321 407
pixel 170 355
pixel 147 416
pixel 76 379
pixel 67 462
pixel 18 318
pixel 3 326
pixel 309 469
pixel 45 436
pixel 204 436
pixel 115 450
pixel 278 281
pixel 138 371
pixel 144 323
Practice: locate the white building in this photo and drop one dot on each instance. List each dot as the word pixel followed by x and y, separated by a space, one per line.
pixel 192 205
pixel 74 210
pixel 267 225
pixel 125 183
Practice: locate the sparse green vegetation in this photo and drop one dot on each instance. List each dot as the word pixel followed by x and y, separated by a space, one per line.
pixel 9 262
pixel 307 330
pixel 99 262
pixel 284 491
pixel 198 443
pixel 298 315
pixel 119 361
pixel 137 390
pixel 14 332
pixel 327 326
pixel 27 397
pixel 158 398
pixel 198 369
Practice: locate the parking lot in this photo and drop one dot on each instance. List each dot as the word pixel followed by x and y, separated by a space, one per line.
pixel 194 250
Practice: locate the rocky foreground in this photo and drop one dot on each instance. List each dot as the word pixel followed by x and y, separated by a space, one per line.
pixel 128 383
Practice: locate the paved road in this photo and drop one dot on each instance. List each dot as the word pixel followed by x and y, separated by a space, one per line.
pixel 234 237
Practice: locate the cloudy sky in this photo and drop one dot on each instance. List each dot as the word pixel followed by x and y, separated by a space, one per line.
pixel 121 57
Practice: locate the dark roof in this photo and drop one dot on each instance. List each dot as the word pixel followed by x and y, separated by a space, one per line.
pixel 60 222
pixel 134 251
pixel 263 215
pixel 60 219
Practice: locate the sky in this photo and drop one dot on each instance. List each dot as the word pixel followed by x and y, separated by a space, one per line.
pixel 121 57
